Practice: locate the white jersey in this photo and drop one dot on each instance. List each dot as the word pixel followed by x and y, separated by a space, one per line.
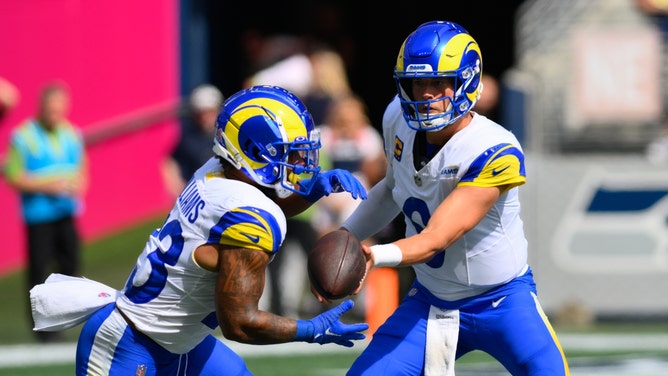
pixel 168 296
pixel 482 154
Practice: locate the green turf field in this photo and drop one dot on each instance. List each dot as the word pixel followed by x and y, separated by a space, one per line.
pixel 301 365
pixel 632 348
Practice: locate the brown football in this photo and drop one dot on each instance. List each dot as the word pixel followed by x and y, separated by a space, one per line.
pixel 336 264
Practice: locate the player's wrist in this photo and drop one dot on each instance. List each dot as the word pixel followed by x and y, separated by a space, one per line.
pixel 313 188
pixel 305 331
pixel 386 255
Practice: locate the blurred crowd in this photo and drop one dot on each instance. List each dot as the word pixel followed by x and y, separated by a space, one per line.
pixel 317 73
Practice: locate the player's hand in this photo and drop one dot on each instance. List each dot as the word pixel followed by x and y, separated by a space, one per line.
pixel 320 298
pixel 333 181
pixel 368 255
pixel 328 328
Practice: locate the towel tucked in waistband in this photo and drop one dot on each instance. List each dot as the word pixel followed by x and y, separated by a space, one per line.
pixel 62 301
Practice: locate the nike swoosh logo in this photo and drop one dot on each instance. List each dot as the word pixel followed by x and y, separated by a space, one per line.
pixel 497 302
pixel 496 172
pixel 252 238
pixel 328 333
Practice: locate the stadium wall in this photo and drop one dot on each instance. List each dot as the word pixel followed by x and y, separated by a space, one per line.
pixel 598 235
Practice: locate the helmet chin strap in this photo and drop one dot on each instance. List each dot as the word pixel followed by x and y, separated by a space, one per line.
pixel 287 185
pixel 438 122
pixel 282 192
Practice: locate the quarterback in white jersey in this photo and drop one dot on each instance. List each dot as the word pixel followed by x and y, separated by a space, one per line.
pixel 484 155
pixel 204 268
pixel 454 174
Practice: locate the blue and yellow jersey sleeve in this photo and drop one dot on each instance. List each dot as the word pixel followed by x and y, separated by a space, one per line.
pixel 501 165
pixel 247 227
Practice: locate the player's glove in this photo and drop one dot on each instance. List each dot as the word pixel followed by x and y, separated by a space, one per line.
pixel 327 328
pixel 333 181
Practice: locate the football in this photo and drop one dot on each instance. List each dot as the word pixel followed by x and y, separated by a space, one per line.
pixel 336 264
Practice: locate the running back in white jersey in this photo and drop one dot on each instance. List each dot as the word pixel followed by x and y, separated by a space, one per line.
pixel 482 154
pixel 168 296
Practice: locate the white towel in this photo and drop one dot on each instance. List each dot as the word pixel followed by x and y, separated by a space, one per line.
pixel 62 301
pixel 442 337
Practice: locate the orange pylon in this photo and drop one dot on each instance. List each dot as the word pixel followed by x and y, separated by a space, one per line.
pixel 382 296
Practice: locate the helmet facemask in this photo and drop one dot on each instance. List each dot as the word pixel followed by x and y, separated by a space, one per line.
pixel 300 161
pixel 458 104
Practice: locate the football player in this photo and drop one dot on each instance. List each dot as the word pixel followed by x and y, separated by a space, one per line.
pixel 205 267
pixel 454 174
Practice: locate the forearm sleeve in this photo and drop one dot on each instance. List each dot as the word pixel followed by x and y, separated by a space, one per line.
pixel 374 213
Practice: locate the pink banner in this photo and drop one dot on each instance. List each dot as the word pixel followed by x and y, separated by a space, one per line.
pixel 120 59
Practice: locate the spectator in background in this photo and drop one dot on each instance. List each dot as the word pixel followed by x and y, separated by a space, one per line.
pixel 315 72
pixel 487 104
pixel 47 164
pixel 349 142
pixel 9 97
pixel 262 50
pixel 278 59
pixel 195 142
pixel 329 81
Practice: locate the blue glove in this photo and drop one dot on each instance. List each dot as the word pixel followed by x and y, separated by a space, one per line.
pixel 327 328
pixel 333 181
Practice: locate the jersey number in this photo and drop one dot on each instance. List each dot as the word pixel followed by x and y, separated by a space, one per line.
pixel 419 207
pixel 158 277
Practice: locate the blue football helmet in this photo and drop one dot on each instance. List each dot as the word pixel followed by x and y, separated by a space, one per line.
pixel 438 49
pixel 267 133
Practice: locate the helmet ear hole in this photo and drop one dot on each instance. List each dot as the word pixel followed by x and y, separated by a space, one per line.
pixel 253 151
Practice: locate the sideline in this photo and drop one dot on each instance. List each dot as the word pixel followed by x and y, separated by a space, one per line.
pixel 21 355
